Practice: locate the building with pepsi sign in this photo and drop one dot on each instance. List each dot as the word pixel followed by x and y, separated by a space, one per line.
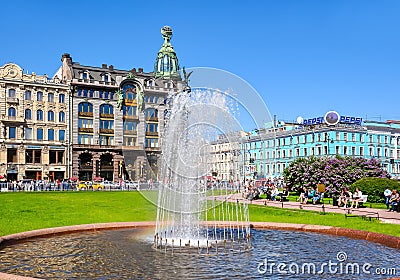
pixel 268 151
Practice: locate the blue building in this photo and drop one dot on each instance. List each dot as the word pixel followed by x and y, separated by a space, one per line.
pixel 268 151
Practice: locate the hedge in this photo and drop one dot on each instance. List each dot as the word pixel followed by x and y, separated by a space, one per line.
pixel 374 187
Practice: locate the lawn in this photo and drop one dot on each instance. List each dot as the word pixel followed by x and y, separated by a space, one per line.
pixel 27 211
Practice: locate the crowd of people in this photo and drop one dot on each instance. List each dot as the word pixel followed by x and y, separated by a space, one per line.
pixel 38 185
pixel 273 189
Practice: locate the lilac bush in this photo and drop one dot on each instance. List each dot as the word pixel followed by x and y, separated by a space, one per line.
pixel 334 172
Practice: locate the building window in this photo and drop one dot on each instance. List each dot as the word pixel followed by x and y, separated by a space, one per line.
pixel 106 109
pixel 28 114
pixel 362 151
pixel 33 156
pixel 28 95
pixel 61 98
pixel 12 156
pixel 28 133
pixel 305 152
pixel 61 135
pixel 130 111
pixel 152 127
pixel 50 97
pixel 378 152
pixel 39 134
pixel 84 75
pixel 344 136
pixel 85 123
pixel 12 132
pixel 152 113
pixel 337 136
pixel 106 140
pixel 386 152
pixel 151 143
pixel 39 96
pixel 12 112
pixel 50 116
pixel 50 134
pixel 61 116
pixel 39 115
pixel 337 150
pixel 345 150
pixel 371 152
pixel 353 151
pixel 11 93
pixel 56 157
pixel 319 150
pixel 106 124
pixel 86 139
pixel 362 138
pixel 85 107
pixel 130 126
pixel 130 92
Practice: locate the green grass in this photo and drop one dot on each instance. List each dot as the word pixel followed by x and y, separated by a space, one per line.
pixel 27 211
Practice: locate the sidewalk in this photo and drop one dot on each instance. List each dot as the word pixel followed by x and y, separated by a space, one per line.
pixel 364 212
pixel 367 213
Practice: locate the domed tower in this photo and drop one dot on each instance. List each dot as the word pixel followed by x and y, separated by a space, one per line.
pixel 166 65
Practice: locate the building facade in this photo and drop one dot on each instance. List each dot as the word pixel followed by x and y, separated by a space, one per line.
pixel 34 125
pixel 117 116
pixel 267 152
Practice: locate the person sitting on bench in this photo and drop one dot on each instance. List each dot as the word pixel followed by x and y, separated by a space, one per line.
pixel 394 201
pixel 357 197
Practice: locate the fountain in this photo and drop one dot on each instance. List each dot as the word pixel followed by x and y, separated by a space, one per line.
pixel 193 212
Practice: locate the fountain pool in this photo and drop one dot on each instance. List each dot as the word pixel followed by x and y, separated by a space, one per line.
pixel 129 254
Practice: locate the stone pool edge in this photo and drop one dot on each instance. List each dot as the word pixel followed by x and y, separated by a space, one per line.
pixel 383 239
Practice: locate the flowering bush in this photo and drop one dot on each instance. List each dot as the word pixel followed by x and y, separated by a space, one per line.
pixel 334 172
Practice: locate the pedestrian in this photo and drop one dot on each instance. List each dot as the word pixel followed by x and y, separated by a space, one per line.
pixel 387 193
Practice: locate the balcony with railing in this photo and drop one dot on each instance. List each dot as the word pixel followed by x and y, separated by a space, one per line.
pixel 106 131
pixel 130 117
pixel 85 114
pixel 106 116
pixel 86 129
pixel 151 119
pixel 151 133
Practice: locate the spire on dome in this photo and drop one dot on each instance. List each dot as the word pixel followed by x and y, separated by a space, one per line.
pixel 166 65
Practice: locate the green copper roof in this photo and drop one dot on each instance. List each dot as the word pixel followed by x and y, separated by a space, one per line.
pixel 166 65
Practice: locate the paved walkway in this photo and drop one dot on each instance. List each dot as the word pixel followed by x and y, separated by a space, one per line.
pixel 364 212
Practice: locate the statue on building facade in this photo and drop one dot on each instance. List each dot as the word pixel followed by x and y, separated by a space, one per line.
pixel 120 96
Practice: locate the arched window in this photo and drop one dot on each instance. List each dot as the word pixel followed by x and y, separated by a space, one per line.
pixel 28 95
pixel 61 98
pixel 85 107
pixel 39 96
pixel 106 109
pixel 61 116
pixel 11 93
pixel 130 92
pixel 50 97
pixel 12 112
pixel 39 115
pixel 28 114
pixel 50 116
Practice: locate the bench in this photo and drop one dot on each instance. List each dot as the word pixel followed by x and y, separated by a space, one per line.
pixel 364 199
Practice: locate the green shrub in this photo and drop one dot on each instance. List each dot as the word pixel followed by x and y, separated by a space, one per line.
pixel 374 187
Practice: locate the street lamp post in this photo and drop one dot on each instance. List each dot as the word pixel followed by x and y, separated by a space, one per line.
pixel 328 140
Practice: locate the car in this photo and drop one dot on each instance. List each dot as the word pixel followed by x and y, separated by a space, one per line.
pixel 88 185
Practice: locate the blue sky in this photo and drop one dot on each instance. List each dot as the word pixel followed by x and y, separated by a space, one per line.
pixel 305 57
